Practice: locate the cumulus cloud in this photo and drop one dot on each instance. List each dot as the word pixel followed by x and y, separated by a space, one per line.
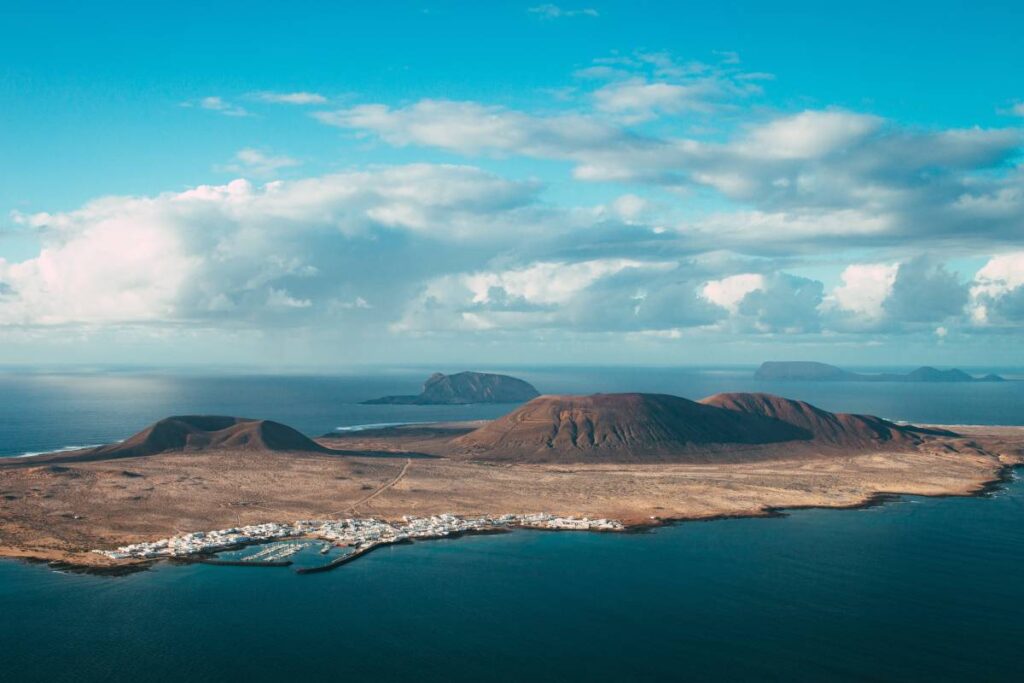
pixel 730 291
pixel 997 293
pixel 604 294
pixel 776 302
pixel 710 210
pixel 926 292
pixel 864 290
pixel 240 248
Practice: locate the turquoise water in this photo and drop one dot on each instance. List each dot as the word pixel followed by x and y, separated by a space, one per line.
pixel 923 589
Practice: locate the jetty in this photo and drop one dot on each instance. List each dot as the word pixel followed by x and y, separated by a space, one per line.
pixel 345 559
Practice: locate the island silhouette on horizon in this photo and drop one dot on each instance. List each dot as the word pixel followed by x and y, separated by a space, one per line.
pixel 805 370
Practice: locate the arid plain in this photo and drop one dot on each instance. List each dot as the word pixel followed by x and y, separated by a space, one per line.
pixel 60 508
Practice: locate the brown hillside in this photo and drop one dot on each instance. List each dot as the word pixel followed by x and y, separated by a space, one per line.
pixel 619 428
pixel 838 429
pixel 197 433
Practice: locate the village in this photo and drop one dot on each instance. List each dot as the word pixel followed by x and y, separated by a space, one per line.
pixel 360 534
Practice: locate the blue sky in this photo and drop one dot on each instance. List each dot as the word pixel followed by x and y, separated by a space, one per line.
pixel 496 182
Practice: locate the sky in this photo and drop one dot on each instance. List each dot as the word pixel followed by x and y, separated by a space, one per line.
pixel 329 184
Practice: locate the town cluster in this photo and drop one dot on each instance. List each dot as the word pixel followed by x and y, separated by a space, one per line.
pixel 359 534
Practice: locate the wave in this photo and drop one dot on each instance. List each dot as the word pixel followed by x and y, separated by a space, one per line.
pixel 62 449
pixel 375 425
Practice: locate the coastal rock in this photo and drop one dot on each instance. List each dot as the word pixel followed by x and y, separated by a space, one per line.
pixel 463 388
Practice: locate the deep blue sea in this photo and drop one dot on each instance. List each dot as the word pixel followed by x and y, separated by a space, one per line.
pixel 916 590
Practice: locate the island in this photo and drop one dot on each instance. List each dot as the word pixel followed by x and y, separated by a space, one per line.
pixel 811 371
pixel 189 487
pixel 464 388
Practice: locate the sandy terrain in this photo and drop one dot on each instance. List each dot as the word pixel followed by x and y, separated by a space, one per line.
pixel 61 511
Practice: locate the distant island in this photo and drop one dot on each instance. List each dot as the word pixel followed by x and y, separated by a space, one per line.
pixel 823 372
pixel 464 388
pixel 189 487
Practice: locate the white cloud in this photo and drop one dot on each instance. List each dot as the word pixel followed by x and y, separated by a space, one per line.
pixel 359 303
pixel 997 293
pixel 742 227
pixel 542 294
pixel 808 135
pixel 924 291
pixel 281 299
pixel 548 283
pixel 850 176
pixel 730 291
pixel 218 104
pixel 550 11
pixel 864 289
pixel 472 128
pixel 640 99
pixel 1001 274
pixel 237 247
pixel 258 163
pixel 299 98
pixel 629 207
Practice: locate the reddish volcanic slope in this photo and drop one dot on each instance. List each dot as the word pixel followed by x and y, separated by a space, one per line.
pixel 839 429
pixel 618 428
pixel 202 433
pixel 662 428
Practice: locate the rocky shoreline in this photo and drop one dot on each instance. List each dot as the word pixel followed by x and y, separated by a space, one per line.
pixel 128 566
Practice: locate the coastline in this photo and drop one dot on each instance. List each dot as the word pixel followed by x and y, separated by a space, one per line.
pixel 64 562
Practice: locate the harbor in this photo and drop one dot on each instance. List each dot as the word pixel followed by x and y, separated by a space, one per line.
pixel 359 536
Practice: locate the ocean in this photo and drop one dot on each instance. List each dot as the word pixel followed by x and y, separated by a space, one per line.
pixel 918 589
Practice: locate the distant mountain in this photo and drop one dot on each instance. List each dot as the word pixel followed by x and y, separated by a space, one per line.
pixel 823 372
pixel 465 387
pixel 803 370
pixel 663 428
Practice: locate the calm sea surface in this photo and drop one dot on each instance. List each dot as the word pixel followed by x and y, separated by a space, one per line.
pixel 922 589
